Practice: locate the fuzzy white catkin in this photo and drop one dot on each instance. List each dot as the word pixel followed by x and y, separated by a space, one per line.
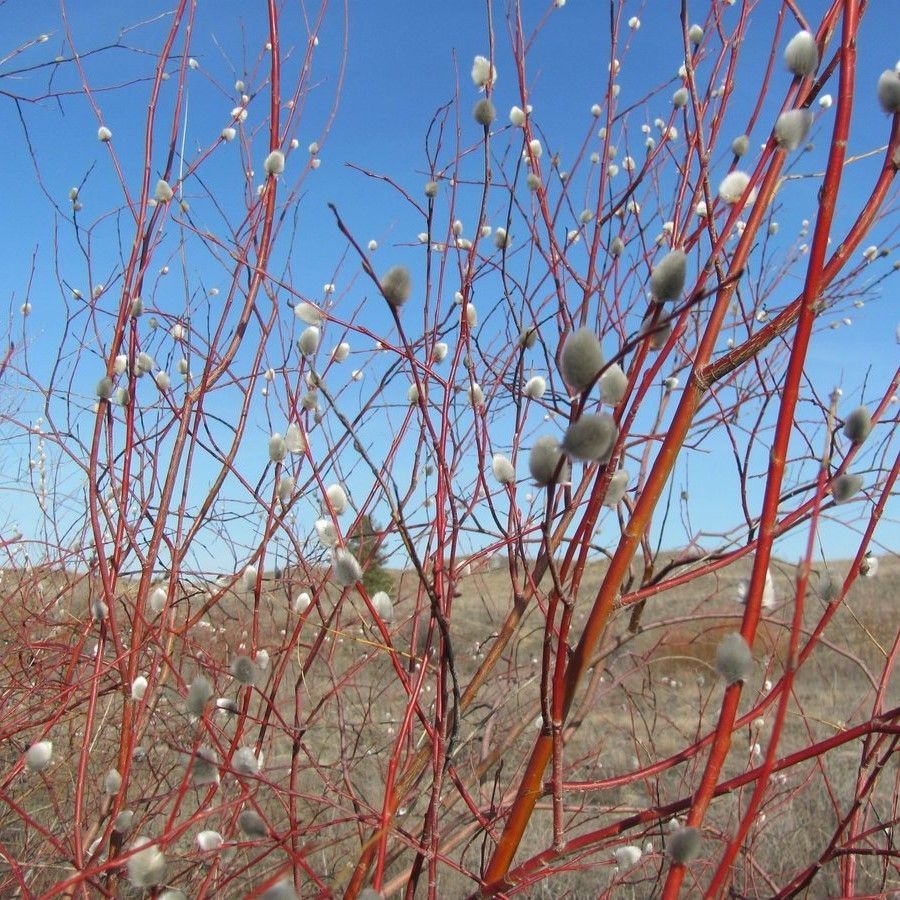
pixel 768 597
pixel 285 488
pixel 146 867
pixel 544 460
pixel 302 603
pixel 440 351
pixel 868 567
pixel 734 661
pixel 503 469
pixel 528 337
pixel 228 134
pixel 308 342
pixel 308 313
pixel 618 485
pixel 695 34
pixel 138 688
pixel 581 358
pixel 517 116
pixel 209 840
pixel 396 285
pixel 274 164
pixel 163 382
pixel 733 185
pixel 889 91
pixel 627 857
pixel 858 425
pixel 337 497
pixel 104 134
pixel 412 394
pixel 326 532
pixel 591 437
pixel 163 192
pixel 277 448
pixel 844 487
pixel 668 276
pixel 792 128
pixel 294 441
pixel 381 602
pixel 483 72
pixel 684 845
pixel 341 352
pixel 143 364
pixel 158 599
pixel 347 571
pixel 616 247
pixel 801 55
pixel 613 385
pixel 535 387
pixel 680 98
pixel 39 755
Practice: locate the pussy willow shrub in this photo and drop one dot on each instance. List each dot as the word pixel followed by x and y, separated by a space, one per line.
pixel 362 590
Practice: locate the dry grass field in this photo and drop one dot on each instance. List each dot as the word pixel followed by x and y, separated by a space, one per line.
pixel 328 732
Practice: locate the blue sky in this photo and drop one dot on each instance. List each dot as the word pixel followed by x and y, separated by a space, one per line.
pixel 404 60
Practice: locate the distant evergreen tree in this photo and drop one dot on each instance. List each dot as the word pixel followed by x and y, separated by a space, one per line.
pixel 363 544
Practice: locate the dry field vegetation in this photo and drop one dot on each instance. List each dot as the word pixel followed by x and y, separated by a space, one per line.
pixel 652 693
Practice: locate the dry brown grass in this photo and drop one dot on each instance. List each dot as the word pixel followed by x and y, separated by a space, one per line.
pixel 654 694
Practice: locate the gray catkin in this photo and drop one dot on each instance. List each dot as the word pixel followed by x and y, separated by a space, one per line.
pixel 112 782
pixel 618 485
pixel 684 845
pixel 792 128
pixel 734 661
pixel 581 359
pixel 243 670
pixel 396 285
pixel 245 761
pixel 889 91
pixel 200 693
pixel 205 767
pixel 830 586
pixel 544 460
pixel 123 821
pixel 668 276
pixel 146 867
pixel 613 385
pixel 801 55
pixel 740 145
pixel 844 487
pixel 591 437
pixel 484 112
pixel 251 823
pixel 858 425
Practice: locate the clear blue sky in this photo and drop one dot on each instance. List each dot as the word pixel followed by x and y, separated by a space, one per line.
pixel 403 62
